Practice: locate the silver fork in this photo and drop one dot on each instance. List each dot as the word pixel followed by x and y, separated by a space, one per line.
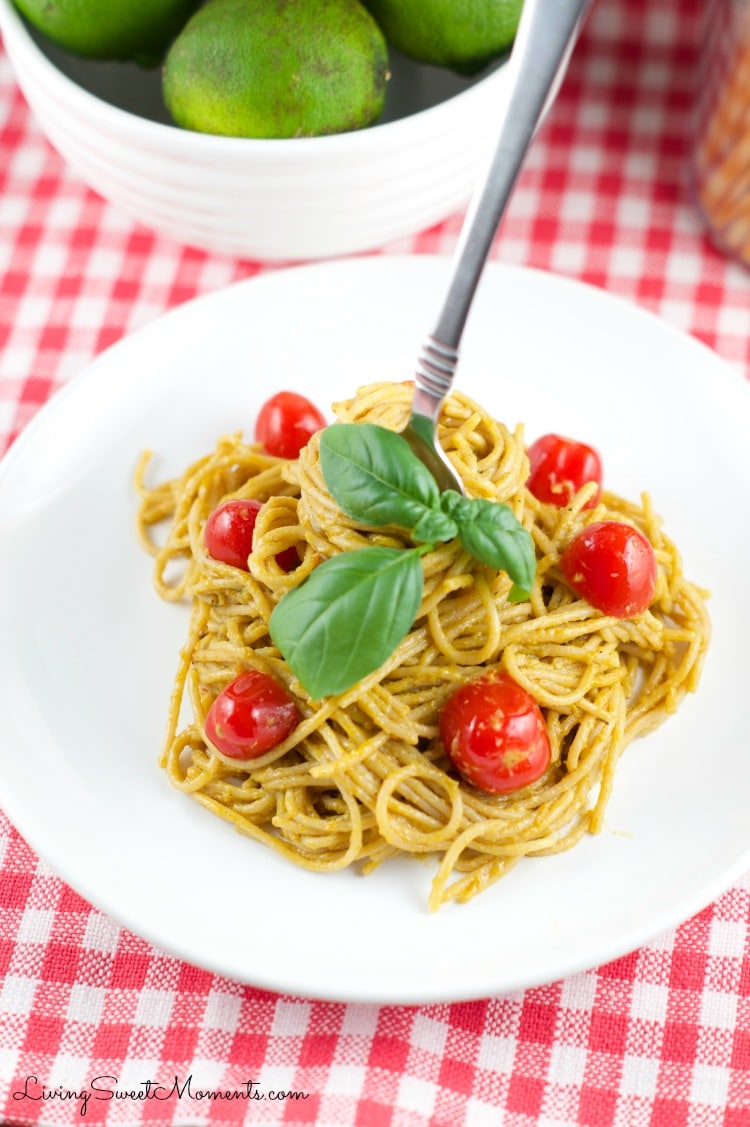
pixel 546 34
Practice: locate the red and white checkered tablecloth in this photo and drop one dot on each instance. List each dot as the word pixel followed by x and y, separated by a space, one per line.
pixel 660 1038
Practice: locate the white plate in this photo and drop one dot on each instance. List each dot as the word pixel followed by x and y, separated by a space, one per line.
pixel 84 684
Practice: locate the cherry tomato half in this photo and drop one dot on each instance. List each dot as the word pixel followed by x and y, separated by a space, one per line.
pixel 250 716
pixel 494 732
pixel 613 566
pixel 286 422
pixel 560 467
pixel 229 535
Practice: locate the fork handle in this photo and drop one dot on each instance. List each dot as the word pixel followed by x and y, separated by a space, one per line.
pixel 546 34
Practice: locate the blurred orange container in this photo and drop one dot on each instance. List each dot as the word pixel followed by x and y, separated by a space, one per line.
pixel 720 169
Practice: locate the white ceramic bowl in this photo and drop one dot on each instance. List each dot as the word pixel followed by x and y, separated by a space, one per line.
pixel 286 199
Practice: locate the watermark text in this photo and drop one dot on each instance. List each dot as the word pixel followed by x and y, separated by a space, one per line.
pixel 109 1088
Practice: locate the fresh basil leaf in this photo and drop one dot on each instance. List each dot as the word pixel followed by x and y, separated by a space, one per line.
pixel 494 536
pixel 373 475
pixel 348 616
pixel 456 506
pixel 518 594
pixel 433 527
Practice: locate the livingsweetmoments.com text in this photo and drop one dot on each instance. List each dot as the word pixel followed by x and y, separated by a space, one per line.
pixel 108 1088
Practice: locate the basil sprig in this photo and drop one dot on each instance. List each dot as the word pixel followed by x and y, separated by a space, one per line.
pixel 346 619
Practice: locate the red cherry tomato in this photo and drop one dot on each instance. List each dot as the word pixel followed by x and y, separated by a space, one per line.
pixel 613 566
pixel 495 734
pixel 251 715
pixel 229 532
pixel 559 467
pixel 229 535
pixel 286 422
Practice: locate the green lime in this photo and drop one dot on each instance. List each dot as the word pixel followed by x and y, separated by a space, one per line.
pixel 464 35
pixel 277 68
pixel 109 29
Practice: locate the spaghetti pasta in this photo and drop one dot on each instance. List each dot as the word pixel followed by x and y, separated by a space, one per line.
pixel 364 777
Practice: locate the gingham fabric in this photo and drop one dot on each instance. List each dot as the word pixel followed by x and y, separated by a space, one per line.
pixel 96 1026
